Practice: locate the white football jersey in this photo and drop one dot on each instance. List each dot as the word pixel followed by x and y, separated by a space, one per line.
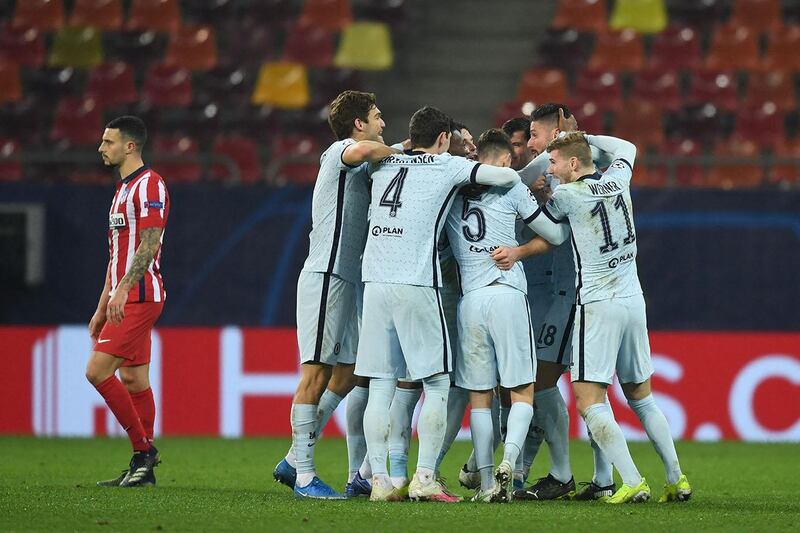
pixel 598 207
pixel 338 216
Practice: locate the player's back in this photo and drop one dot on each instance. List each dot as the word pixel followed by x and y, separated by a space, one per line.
pixel 411 195
pixel 600 215
pixel 339 216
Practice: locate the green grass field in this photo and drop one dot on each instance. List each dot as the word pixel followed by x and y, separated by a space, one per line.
pixel 215 484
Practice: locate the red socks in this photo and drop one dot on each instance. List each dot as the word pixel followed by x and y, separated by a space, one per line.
pixel 119 401
pixel 146 407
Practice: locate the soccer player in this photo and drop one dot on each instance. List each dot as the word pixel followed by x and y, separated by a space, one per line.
pixel 610 323
pixel 132 297
pixel 469 142
pixel 490 313
pixel 326 305
pixel 404 333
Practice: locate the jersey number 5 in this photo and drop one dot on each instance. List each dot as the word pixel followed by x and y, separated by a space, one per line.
pixel 465 229
pixel 394 189
pixel 600 209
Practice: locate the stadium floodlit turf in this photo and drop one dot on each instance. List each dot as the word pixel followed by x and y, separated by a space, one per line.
pixel 216 484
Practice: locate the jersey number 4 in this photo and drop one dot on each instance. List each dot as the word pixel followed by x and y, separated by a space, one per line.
pixel 600 210
pixel 391 196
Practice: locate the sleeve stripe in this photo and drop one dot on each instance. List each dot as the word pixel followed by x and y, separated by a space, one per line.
pixel 626 162
pixel 474 174
pixel 532 217
pixel 341 157
pixel 551 217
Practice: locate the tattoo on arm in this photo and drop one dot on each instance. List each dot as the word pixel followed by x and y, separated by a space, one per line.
pixel 150 239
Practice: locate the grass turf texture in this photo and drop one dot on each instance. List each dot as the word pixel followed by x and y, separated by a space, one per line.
pixel 216 484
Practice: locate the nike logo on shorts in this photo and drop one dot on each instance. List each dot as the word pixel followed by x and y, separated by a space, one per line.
pixel 101 341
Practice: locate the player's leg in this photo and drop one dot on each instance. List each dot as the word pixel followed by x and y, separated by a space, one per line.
pixel 401 413
pixel 457 401
pixel 356 443
pixel 602 485
pixel 519 422
pixel 137 381
pixel 480 423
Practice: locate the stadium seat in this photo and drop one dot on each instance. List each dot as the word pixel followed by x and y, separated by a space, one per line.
pixel 785 174
pixel 154 15
pixel 176 158
pixel 10 168
pixel 227 86
pixel 581 15
pixel 649 176
pixel 28 120
pixel 77 122
pixel 104 15
pixel 540 85
pixel 733 48
pixel 244 153
pixel 167 86
pixel 276 13
pixel 295 159
pixel 776 86
pixel 329 82
pixel 331 15
pixel 283 85
pixel 718 88
pixel 44 15
pixel 564 48
pixel 249 43
pixel 782 50
pixel 10 86
pixel 23 46
pixel 761 123
pixel 511 109
pixel 112 84
pixel 702 15
pixel 76 47
pixel 310 45
pixel 193 47
pixel 642 16
pixel 618 51
pixel 588 115
pixel 138 49
pixel 365 46
pixel 702 123
pixel 660 87
pixel 389 11
pixel 640 122
pixel 687 172
pixel 757 15
pixel 735 174
pixel 676 48
pixel 603 87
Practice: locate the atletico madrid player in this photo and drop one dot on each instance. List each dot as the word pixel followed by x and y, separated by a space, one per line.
pixel 132 298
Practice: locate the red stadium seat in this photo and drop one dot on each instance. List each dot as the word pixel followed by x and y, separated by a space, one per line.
pixel 154 15
pixel 650 176
pixel 137 49
pixel 295 159
pixel 331 15
pixel 676 48
pixel 603 87
pixel 167 86
pixel 112 84
pixel 660 87
pixel 702 123
pixel 23 46
pixel 686 173
pixel 640 122
pixel 541 85
pixel 78 122
pixel 736 175
pixel 786 174
pixel 782 50
pixel 244 153
pixel 776 86
pixel 10 168
pixel 762 123
pixel 698 14
pixel 44 15
pixel 618 51
pixel 582 15
pixel 718 88
pixel 250 43
pixel 511 109
pixel 757 15
pixel 733 48
pixel 10 86
pixel 310 45
pixel 226 86
pixel 564 48
pixel 169 147
pixel 193 47
pixel 101 14
pixel 588 115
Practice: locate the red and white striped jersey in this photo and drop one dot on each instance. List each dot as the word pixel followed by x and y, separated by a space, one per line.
pixel 141 202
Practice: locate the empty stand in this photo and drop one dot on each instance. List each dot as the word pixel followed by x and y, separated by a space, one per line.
pixel 782 50
pixel 44 15
pixel 76 47
pixel 776 86
pixel 283 85
pixel 659 87
pixel 329 14
pixel 733 48
pixel 10 86
pixel 640 122
pixel 540 85
pixel 176 157
pixel 23 46
pixel 764 124
pixel 112 84
pixel 193 47
pixel 310 45
pixel 643 16
pixel 757 15
pixel 104 15
pixel 618 51
pixel 676 48
pixel 167 86
pixel 603 87
pixel 154 15
pixel 582 15
pixel 719 88
pixel 365 46
pixel 77 122
pixel 243 151
pixel 735 174
pixel 10 166
pixel 565 48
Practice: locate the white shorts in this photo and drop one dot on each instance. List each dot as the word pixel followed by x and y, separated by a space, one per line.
pixel 496 339
pixel 611 335
pixel 451 294
pixel 404 334
pixel 326 312
pixel 554 334
pixel 350 342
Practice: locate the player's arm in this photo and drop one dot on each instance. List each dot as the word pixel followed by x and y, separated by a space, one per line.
pixel 491 175
pixel 98 319
pixel 150 239
pixel 505 256
pixel 366 151
pixel 535 169
pixel 618 148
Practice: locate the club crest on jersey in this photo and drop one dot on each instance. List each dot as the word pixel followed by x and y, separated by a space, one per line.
pixel 116 220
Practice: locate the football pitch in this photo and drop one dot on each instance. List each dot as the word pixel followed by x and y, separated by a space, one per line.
pixel 217 484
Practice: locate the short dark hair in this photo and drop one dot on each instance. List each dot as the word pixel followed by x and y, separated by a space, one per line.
pixel 132 128
pixel 459 126
pixel 573 144
pixel 425 126
pixel 549 113
pixel 513 125
pixel 493 140
pixel 346 108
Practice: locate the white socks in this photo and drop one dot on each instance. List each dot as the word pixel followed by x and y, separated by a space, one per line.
pixel 608 435
pixel 376 423
pixel 432 420
pixel 519 420
pixel 304 438
pixel 480 423
pixel 657 428
pixel 400 415
pixel 551 412
pixel 456 405
pixel 356 443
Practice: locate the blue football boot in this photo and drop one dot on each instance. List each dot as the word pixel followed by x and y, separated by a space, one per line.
pixel 358 487
pixel 285 473
pixel 317 489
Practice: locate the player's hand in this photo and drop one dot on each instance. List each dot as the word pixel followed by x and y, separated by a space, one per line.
pixel 567 124
pixel 407 144
pixel 116 307
pixel 505 257
pixel 96 324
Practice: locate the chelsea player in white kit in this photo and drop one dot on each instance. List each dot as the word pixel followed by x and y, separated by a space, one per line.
pixel 404 332
pixel 492 310
pixel 610 335
pixel 326 306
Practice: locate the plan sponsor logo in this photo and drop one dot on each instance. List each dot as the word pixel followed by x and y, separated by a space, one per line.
pixel 386 231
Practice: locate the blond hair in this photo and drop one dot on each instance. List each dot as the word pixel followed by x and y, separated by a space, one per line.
pixel 573 144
